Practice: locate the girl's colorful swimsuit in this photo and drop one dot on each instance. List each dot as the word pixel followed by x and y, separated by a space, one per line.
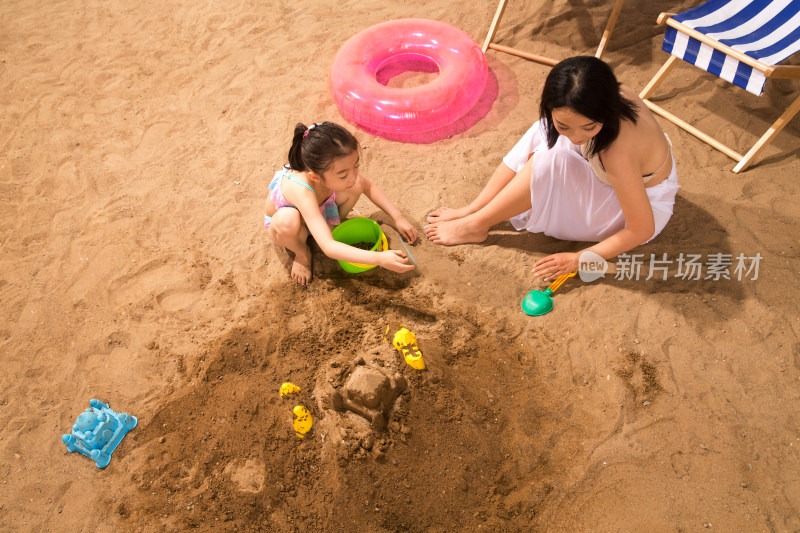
pixel 328 208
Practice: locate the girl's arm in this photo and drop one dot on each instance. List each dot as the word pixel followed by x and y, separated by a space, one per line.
pixel 377 197
pixel 306 203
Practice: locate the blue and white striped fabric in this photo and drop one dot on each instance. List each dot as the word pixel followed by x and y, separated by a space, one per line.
pixel 766 30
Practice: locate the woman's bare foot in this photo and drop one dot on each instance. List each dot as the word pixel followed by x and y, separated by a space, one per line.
pixel 455 232
pixel 301 267
pixel 446 213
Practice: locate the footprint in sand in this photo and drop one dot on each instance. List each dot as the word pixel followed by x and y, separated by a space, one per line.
pixel 768 229
pixel 248 477
pixel 421 198
pixel 88 256
pixel 69 179
pixel 14 298
pixel 177 300
pixel 151 144
pixel 175 284
pixel 641 378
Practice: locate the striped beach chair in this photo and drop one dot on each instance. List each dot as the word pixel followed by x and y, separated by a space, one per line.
pixel 742 42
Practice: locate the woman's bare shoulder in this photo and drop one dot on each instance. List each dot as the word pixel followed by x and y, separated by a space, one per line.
pixel 623 156
pixel 637 146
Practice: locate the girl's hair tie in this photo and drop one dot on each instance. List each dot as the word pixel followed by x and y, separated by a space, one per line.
pixel 311 127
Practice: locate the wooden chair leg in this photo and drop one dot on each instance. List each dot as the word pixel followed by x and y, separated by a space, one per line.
pixel 694 131
pixel 501 7
pixel 525 55
pixel 767 138
pixel 743 160
pixel 612 21
pixel 659 77
pixel 653 84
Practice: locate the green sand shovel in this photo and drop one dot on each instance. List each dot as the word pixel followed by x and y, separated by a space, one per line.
pixel 538 303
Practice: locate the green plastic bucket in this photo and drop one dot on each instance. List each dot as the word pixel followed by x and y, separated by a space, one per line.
pixel 356 230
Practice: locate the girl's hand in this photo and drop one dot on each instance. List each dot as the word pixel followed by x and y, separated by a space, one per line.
pixel 394 260
pixel 405 228
pixel 555 265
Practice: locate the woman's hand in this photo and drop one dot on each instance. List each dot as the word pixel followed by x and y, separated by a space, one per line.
pixel 408 232
pixel 394 260
pixel 552 266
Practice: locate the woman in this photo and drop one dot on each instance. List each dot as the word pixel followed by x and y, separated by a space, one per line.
pixel 595 167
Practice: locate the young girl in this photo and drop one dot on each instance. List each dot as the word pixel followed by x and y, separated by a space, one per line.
pixel 316 190
pixel 595 167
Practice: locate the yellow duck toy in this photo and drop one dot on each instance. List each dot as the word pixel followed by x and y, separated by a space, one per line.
pixel 288 388
pixel 302 416
pixel 406 343
pixel 302 421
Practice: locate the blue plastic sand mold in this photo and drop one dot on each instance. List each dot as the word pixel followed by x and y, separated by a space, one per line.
pixel 98 431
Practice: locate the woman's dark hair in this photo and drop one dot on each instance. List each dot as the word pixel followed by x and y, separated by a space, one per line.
pixel 314 148
pixel 586 85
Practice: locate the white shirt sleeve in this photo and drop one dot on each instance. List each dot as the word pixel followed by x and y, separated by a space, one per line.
pixel 519 155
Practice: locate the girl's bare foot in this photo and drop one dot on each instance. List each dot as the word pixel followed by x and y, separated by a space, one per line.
pixel 455 232
pixel 301 267
pixel 446 213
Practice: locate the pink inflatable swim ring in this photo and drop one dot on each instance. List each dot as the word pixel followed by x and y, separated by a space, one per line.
pixel 373 106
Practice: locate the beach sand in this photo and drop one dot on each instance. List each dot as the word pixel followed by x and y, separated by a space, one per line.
pixel 137 143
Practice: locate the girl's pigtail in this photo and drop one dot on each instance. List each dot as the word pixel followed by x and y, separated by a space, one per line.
pixel 295 156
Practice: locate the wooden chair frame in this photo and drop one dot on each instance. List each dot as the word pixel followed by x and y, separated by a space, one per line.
pixel 501 7
pixel 770 71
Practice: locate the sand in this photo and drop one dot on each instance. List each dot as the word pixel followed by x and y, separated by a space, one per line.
pixel 137 142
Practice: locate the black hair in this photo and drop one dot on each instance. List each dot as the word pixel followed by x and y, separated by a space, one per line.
pixel 315 147
pixel 586 85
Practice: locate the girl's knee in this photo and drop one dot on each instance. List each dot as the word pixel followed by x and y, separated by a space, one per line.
pixel 285 223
